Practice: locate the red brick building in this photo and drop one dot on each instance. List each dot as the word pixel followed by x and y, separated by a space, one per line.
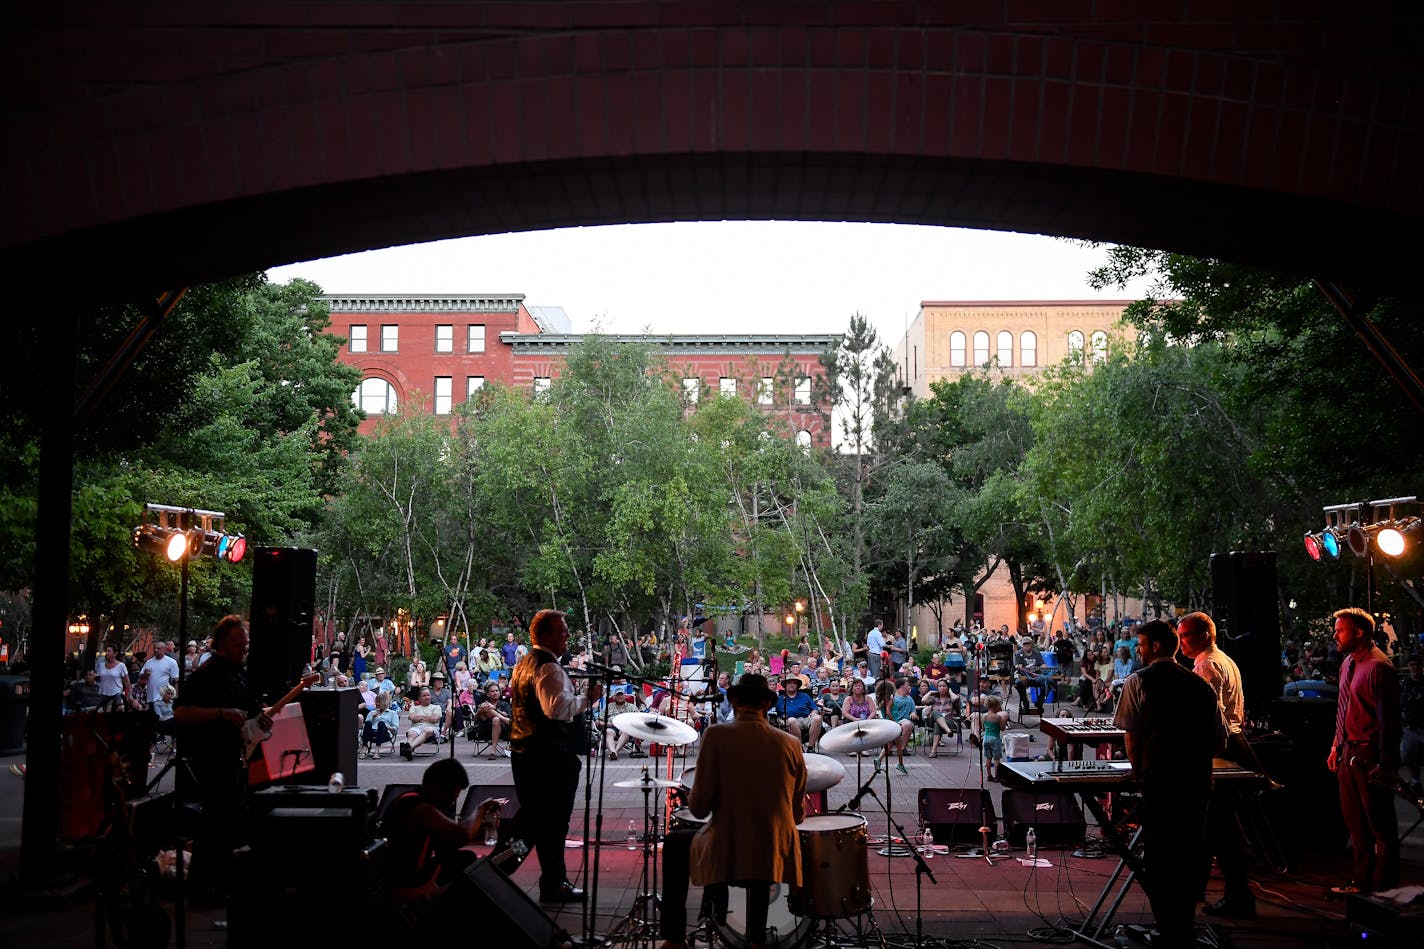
pixel 440 348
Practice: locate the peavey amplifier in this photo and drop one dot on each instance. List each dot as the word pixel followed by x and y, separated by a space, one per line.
pixel 1054 814
pixel 956 814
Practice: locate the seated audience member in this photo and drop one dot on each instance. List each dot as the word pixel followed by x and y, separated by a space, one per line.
pixel 614 738
pixel 795 710
pixel 942 713
pixel 858 705
pixel 491 719
pixel 380 727
pixel 1028 674
pixel 427 720
pixel 829 701
pixel 381 683
pixel 895 704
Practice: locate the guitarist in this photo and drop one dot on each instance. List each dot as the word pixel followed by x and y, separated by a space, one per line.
pixel 210 713
pixel 427 845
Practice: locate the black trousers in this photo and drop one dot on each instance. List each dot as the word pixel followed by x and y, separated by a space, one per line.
pixel 1173 832
pixel 677 847
pixel 1223 825
pixel 221 793
pixel 546 783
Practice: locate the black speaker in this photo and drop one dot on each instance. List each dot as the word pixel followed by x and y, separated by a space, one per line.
pixel 956 814
pixel 507 916
pixel 1248 627
pixel 333 731
pixel 283 601
pixel 1054 814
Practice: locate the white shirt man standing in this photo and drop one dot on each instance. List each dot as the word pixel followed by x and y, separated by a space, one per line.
pixel 161 668
pixel 875 646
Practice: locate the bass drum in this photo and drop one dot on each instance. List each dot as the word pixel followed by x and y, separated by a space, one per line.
pixel 834 868
pixel 783 929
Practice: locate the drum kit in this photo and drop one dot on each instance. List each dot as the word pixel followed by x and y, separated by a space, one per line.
pixel 834 865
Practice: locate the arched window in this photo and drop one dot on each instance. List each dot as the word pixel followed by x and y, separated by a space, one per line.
pixel 956 349
pixel 981 348
pixel 1028 348
pixel 1005 340
pixel 1075 342
pixel 803 439
pixel 1100 346
pixel 375 397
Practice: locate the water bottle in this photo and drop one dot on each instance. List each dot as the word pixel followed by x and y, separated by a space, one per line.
pixel 1120 936
pixel 632 836
pixel 492 829
pixel 1031 840
pixel 336 783
pixel 929 843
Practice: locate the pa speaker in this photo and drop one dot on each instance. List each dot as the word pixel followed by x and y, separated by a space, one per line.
pixel 1248 625
pixel 333 730
pixel 955 815
pixel 507 916
pixel 283 600
pixel 1054 814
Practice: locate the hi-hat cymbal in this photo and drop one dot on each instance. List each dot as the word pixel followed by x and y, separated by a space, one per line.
pixel 658 728
pixel 647 782
pixel 860 736
pixel 823 772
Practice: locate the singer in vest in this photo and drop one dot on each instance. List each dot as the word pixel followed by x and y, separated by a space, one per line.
pixel 547 742
pixel 1365 755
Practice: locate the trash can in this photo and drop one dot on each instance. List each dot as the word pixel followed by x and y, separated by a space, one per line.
pixel 14 705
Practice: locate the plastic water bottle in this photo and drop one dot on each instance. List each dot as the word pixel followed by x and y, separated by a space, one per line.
pixel 1031 844
pixel 929 842
pixel 632 836
pixel 336 783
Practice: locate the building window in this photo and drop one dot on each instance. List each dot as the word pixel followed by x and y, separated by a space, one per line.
pixel 443 385
pixel 358 337
pixel 1075 342
pixel 727 385
pixel 803 440
pixel 956 349
pixel 477 338
pixel 1100 346
pixel 803 391
pixel 473 384
pixel 390 338
pixel 764 391
pixel 1028 348
pixel 445 338
pixel 541 384
pixel 981 348
pixel 375 397
pixel 691 389
pixel 1005 339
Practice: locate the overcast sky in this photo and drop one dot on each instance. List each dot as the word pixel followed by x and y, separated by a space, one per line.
pixel 728 277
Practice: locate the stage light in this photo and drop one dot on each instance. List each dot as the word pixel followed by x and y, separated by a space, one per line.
pixel 1313 546
pixel 229 547
pixel 1359 537
pixel 1330 543
pixel 236 548
pixel 1398 537
pixel 176 547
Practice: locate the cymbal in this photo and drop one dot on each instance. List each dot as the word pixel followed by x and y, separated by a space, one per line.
pixel 658 728
pixel 860 736
pixel 823 772
pixel 688 776
pixel 648 782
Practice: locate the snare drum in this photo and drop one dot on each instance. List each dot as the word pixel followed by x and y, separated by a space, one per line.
pixel 835 871
pixel 783 929
pixel 682 819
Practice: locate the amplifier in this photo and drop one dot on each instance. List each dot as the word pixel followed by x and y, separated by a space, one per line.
pixel 956 814
pixel 1054 814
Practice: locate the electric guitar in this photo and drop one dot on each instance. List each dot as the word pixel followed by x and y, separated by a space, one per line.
pixel 253 734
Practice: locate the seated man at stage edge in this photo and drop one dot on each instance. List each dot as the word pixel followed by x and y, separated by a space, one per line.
pixel 796 710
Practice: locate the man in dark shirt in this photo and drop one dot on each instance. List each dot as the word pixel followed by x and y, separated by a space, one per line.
pixel 547 740
pixel 210 714
pixel 1174 727
pixel 454 654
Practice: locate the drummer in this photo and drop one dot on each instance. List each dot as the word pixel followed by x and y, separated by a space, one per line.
pixel 751 779
pixel 796 710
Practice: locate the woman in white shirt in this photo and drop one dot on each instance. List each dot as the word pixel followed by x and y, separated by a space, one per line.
pixel 113 679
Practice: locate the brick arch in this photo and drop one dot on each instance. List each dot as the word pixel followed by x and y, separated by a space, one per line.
pixel 163 143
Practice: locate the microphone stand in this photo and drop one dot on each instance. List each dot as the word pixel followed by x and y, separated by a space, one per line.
pixel 922 869
pixel 985 804
pixel 604 674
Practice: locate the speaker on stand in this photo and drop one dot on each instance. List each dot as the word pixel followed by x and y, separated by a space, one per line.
pixel 1248 627
pixel 283 603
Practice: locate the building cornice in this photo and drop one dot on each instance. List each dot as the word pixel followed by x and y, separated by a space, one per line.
pixel 774 343
pixel 423 302
pixel 981 304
